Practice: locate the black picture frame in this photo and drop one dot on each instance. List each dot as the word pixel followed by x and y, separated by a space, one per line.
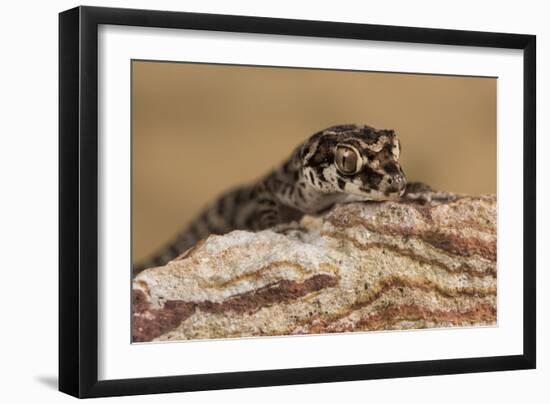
pixel 78 201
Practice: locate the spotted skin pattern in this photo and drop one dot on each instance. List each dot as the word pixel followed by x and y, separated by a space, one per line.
pixel 344 163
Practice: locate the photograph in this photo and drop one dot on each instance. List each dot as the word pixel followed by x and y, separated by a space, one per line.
pixel 272 201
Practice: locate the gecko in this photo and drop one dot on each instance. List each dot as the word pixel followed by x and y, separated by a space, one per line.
pixel 339 164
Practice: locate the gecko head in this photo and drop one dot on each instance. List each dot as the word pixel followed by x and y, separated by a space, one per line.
pixel 356 160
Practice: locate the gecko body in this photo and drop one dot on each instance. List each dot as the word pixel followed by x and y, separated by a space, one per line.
pixel 344 163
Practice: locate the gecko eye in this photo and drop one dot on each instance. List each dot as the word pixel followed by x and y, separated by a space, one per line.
pixel 348 159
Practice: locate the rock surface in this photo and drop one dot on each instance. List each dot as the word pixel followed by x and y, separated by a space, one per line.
pixel 360 267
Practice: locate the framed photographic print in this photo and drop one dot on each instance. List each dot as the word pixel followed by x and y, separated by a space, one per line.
pixel 250 201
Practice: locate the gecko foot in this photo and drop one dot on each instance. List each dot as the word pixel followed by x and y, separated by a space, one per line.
pixel 422 193
pixel 293 230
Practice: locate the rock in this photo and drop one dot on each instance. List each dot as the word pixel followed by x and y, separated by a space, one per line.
pixel 360 267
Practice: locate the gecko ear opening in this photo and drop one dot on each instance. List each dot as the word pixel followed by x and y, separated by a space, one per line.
pixel 347 159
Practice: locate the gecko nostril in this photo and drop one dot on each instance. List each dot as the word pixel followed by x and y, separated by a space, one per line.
pixel 396 182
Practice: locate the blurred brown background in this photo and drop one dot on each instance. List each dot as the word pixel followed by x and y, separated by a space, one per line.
pixel 198 129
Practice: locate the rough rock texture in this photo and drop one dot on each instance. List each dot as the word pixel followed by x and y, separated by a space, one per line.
pixel 361 267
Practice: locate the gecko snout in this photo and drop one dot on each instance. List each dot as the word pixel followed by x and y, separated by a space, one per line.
pixel 396 183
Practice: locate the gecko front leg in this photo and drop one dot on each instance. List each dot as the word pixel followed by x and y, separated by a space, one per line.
pixel 271 214
pixel 424 194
